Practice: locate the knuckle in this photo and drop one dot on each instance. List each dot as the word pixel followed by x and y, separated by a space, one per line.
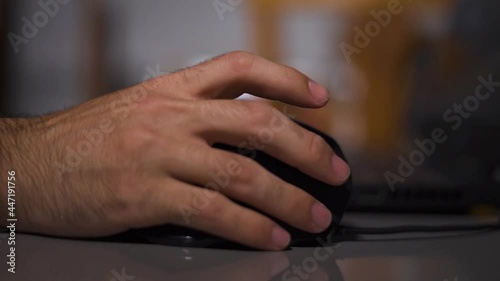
pixel 240 61
pixel 244 109
pixel 314 147
pixel 292 200
pixel 182 77
pixel 188 76
pixel 260 114
pixel 248 173
pixel 297 202
pixel 291 75
pixel 219 203
pixel 154 83
pixel 276 191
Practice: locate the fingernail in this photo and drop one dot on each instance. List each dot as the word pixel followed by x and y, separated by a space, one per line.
pixel 318 92
pixel 280 237
pixel 322 217
pixel 340 168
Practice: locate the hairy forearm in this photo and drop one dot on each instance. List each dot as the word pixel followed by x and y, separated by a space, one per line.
pixel 7 130
pixel 17 151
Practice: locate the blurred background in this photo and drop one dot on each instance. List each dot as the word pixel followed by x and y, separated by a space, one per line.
pixel 397 71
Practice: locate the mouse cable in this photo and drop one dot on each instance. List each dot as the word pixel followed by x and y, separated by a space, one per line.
pixel 415 228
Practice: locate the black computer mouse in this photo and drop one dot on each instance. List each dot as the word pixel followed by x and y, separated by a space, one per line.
pixel 335 199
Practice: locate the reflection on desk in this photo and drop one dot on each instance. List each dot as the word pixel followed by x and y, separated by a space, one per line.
pixel 472 256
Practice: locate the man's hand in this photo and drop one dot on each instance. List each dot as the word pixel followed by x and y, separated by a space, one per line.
pixel 138 157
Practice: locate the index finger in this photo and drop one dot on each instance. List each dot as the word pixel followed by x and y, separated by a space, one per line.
pixel 228 76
